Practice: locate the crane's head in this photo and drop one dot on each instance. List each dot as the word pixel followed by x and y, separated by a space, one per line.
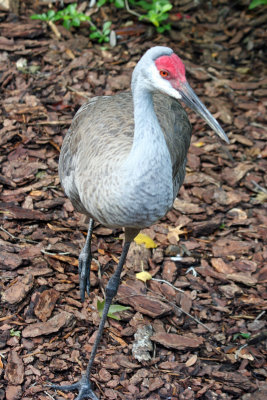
pixel 162 70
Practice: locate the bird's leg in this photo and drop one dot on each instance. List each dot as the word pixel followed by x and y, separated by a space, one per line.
pixel 85 259
pixel 84 384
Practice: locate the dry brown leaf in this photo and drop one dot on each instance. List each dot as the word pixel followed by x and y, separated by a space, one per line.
pixel 174 234
pixel 191 361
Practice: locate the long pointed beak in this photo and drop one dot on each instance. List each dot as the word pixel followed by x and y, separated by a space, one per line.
pixel 190 98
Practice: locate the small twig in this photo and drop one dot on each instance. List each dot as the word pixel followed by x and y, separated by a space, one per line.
pixel 67 122
pixel 15 238
pixel 258 187
pixel 54 29
pixel 185 312
pixel 258 125
pixel 131 11
pixel 257 339
pixel 238 351
pixel 78 92
pixel 94 26
pixel 66 253
pixel 260 315
pixel 189 315
pixel 168 283
pixel 49 395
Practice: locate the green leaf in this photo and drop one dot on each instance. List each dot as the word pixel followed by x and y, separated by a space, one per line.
pixel 76 21
pixel 14 333
pixel 106 25
pixel 50 14
pixel 42 17
pixel 71 9
pixel 166 8
pixel 243 335
pixel 164 28
pixel 256 3
pixel 67 24
pixel 83 17
pixel 144 5
pixel 119 3
pixel 100 3
pixel 94 35
pixel 57 17
pixel 114 308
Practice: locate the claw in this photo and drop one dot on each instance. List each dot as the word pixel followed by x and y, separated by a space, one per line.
pixel 84 387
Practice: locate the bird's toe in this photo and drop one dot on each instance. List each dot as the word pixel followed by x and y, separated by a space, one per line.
pixel 83 386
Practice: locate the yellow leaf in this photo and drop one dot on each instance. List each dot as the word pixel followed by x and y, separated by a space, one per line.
pixel 199 144
pixel 141 238
pixel 261 197
pixel 143 276
pixel 36 193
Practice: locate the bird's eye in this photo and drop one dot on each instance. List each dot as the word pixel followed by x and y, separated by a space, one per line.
pixel 163 73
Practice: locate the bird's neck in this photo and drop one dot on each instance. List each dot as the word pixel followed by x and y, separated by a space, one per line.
pixel 149 158
pixel 146 175
pixel 149 140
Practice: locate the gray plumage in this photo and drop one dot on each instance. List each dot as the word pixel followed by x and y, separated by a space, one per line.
pixel 98 143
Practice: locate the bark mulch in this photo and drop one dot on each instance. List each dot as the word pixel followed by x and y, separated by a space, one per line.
pixel 205 335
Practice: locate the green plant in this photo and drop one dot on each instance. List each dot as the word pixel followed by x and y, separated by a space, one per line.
pixel 243 335
pixel 157 13
pixel 117 3
pixel 14 333
pixel 49 16
pixel 256 3
pixel 156 10
pixel 114 308
pixel 101 36
pixel 69 15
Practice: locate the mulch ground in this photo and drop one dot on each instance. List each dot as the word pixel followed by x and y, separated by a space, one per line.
pixel 205 334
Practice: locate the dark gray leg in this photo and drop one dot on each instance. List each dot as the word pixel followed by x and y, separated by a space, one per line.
pixel 84 384
pixel 85 259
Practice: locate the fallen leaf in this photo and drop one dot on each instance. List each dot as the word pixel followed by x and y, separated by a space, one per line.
pixel 143 276
pixel 174 234
pixel 141 238
pixel 191 361
pixel 198 144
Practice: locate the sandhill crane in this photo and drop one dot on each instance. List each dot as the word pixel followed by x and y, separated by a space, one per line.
pixel 123 161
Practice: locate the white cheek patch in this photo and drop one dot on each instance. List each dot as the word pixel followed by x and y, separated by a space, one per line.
pixel 161 84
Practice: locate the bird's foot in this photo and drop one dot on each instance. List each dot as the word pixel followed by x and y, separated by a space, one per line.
pixel 83 386
pixel 85 259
